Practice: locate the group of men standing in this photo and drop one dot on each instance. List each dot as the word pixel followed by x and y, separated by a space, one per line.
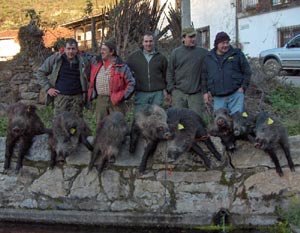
pixel 191 78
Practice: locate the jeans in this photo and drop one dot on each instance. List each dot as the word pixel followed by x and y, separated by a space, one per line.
pixel 143 98
pixel 233 102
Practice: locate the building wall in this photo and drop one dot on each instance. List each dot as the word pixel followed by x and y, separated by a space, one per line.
pixel 8 49
pixel 218 14
pixel 259 32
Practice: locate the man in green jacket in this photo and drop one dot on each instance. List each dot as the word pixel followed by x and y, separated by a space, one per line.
pixel 184 73
pixel 64 78
pixel 149 68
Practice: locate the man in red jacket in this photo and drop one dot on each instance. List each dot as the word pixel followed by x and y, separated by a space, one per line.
pixel 111 82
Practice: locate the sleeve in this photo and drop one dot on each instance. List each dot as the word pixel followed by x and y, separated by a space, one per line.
pixel 204 76
pixel 246 71
pixel 165 67
pixel 171 73
pixel 130 82
pixel 42 73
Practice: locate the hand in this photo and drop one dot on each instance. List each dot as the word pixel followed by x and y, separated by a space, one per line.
pixel 53 92
pixel 169 99
pixel 241 90
pixel 207 98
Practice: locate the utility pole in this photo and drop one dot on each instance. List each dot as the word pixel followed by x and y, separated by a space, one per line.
pixel 185 13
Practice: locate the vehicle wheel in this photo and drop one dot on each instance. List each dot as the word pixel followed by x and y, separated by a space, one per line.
pixel 271 67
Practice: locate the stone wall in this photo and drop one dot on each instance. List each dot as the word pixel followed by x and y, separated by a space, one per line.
pixel 245 184
pixel 18 82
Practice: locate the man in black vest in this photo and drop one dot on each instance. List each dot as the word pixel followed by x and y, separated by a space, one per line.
pixel 64 78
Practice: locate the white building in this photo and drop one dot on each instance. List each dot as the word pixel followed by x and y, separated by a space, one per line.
pixel 254 25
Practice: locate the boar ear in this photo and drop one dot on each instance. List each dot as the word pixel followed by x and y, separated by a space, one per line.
pixel 31 108
pixel 10 109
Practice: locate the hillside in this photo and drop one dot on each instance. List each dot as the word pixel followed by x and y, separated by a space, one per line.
pixel 12 14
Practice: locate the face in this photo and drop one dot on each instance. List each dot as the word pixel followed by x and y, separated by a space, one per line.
pixel 106 53
pixel 189 41
pixel 223 47
pixel 71 51
pixel 148 43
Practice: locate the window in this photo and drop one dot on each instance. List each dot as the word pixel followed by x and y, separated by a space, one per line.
pixel 248 4
pixel 202 37
pixel 279 2
pixel 287 33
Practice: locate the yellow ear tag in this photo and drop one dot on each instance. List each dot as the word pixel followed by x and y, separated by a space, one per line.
pixel 244 114
pixel 270 121
pixel 180 126
pixel 72 131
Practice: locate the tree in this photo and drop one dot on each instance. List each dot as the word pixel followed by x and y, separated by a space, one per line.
pixel 89 13
pixel 129 19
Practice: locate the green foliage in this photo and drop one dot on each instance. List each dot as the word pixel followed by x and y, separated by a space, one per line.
pixel 89 7
pixel 282 227
pixel 46 115
pixel 12 12
pixel 292 214
pixel 3 126
pixel 286 105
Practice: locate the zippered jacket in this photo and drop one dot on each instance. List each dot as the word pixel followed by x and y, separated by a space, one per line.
pixel 121 83
pixel 148 76
pixel 226 77
pixel 47 74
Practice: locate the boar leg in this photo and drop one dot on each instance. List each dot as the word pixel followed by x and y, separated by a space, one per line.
pixel 53 158
pixel 86 143
pixel 10 142
pixel 275 161
pixel 287 153
pixel 24 148
pixel 102 164
pixel 134 136
pixel 197 149
pixel 95 154
pixel 212 148
pixel 149 150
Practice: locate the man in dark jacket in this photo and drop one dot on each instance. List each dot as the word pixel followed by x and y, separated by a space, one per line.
pixel 226 75
pixel 149 68
pixel 184 73
pixel 64 78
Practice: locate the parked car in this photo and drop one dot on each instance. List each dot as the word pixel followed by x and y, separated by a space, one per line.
pixel 286 58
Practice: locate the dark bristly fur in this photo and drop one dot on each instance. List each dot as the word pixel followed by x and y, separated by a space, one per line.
pixel 23 125
pixel 111 134
pixel 150 124
pixel 187 128
pixel 68 131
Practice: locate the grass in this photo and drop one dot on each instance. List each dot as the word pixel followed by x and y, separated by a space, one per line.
pixel 286 105
pixel 292 214
pixel 284 99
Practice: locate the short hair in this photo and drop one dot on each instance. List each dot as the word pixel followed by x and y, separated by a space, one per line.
pixel 71 41
pixel 148 33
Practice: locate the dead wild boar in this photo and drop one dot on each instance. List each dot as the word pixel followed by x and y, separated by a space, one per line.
pixel 222 127
pixel 243 126
pixel 68 131
pixel 188 128
pixel 269 133
pixel 111 134
pixel 23 125
pixel 149 124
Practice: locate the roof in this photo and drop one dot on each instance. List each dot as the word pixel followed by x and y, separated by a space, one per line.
pixel 84 21
pixel 10 34
pixel 51 35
